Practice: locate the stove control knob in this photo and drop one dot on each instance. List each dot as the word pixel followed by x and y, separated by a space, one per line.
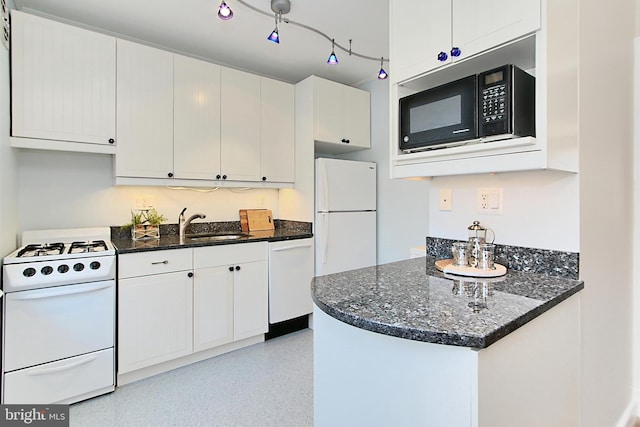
pixel 94 265
pixel 28 272
pixel 78 267
pixel 46 270
pixel 63 268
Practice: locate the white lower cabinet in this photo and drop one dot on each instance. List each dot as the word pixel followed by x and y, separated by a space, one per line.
pixel 179 306
pixel 212 308
pixel 237 274
pixel 250 299
pixel 155 319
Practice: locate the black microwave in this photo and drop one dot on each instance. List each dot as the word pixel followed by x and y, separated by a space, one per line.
pixel 494 105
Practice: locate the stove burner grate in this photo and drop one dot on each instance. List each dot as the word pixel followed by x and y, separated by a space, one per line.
pixel 91 246
pixel 35 250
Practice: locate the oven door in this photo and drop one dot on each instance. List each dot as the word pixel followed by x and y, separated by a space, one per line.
pixel 43 325
pixel 440 115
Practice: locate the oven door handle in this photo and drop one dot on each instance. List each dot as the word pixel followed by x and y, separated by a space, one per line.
pixel 59 291
pixel 46 371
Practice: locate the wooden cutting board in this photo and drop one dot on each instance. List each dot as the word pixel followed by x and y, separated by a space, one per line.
pixel 256 219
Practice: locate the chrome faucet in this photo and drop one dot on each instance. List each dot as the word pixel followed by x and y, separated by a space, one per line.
pixel 182 224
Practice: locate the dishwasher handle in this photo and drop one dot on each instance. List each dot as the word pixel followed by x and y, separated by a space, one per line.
pixel 286 248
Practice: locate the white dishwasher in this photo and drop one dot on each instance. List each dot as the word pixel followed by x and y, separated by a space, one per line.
pixel 290 275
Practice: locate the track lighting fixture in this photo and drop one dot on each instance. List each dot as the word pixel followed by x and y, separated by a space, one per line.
pixel 281 7
pixel 333 59
pixel 382 74
pixel 224 12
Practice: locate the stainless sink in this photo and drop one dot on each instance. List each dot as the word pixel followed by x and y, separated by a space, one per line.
pixel 216 237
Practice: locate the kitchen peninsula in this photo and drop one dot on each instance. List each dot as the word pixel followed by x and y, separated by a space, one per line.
pixel 404 344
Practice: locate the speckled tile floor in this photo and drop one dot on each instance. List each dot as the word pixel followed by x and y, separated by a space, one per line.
pixel 267 384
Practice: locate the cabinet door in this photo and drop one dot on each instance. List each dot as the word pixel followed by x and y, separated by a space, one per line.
pixel 154 319
pixel 357 117
pixel 63 81
pixel 144 112
pixel 250 302
pixel 212 307
pixel 196 119
pixel 419 30
pixel 277 131
pixel 240 125
pixel 482 25
pixel 329 110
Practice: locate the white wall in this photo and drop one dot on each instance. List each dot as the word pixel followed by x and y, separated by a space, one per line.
pixel 539 208
pixel 403 205
pixel 63 190
pixel 606 214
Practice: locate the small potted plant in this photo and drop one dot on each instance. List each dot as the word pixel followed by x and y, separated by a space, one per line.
pixel 145 223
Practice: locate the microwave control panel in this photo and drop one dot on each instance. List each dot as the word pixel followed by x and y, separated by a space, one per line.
pixel 506 102
pixel 493 103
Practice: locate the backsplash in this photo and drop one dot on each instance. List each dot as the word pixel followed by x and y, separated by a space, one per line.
pixel 529 260
pixel 212 227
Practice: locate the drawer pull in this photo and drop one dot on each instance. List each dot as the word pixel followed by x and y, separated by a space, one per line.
pixel 160 262
pixel 47 371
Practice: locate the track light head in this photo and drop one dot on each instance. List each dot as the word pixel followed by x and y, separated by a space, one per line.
pixel 333 59
pixel 224 12
pixel 382 74
pixel 274 36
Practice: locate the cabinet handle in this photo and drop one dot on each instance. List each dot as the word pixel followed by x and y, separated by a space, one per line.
pixel 264 178
pixel 442 56
pixel 111 140
pixel 237 268
pixel 224 176
pixel 160 262
pixel 218 176
pixel 190 274
pixel 170 174
pixel 455 52
pixel 231 268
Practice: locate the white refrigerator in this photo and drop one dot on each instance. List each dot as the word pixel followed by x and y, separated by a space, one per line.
pixel 345 215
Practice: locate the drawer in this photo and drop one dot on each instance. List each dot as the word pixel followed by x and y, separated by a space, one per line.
pixel 215 256
pixel 60 381
pixel 154 262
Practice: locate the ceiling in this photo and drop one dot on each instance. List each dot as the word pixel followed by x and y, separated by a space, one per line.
pixel 192 27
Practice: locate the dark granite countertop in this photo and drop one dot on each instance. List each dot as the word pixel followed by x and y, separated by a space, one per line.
pixel 169 238
pixel 413 300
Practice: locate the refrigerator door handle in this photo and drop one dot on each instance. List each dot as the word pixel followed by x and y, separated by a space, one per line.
pixel 326 239
pixel 325 191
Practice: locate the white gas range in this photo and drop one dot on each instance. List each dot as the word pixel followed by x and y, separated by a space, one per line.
pixel 59 317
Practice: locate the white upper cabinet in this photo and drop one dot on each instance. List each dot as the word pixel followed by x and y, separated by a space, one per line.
pixel 419 31
pixel 63 86
pixel 479 25
pixel 342 117
pixel 240 126
pixel 196 119
pixel 144 111
pixel 456 30
pixel 277 139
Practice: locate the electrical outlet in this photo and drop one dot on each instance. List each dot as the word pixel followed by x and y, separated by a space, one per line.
pixel 446 204
pixel 490 201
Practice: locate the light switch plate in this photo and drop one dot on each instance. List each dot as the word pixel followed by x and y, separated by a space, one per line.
pixel 446 203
